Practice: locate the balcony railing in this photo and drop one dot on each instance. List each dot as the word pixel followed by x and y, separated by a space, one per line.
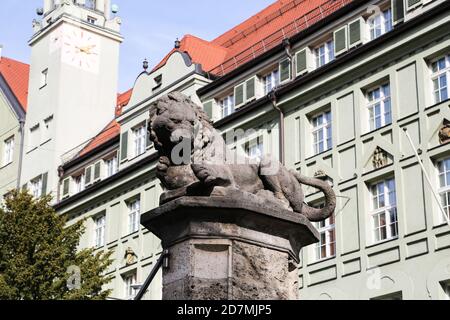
pixel 292 28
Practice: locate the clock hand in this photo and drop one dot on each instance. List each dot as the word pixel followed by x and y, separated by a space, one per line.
pixel 86 49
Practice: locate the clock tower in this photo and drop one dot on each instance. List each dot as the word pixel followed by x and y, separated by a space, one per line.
pixel 73 85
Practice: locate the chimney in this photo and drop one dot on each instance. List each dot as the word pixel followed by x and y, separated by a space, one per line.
pixel 1 48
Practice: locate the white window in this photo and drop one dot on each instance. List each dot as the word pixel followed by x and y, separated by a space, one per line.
pixel 112 166
pixel 157 81
pixel 129 283
pixel 380 24
pixel 440 77
pixel 271 81
pixel 36 187
pixel 34 137
pixel 324 53
pixel 322 132
pixel 227 106
pixel 79 183
pixel 139 138
pixel 326 248
pixel 255 149
pixel 444 185
pixel 134 215
pixel 47 129
pixel 8 152
pixel 100 226
pixel 379 107
pixel 90 4
pixel 384 210
pixel 44 77
pixel 91 20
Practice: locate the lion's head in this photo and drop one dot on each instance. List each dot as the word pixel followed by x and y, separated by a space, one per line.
pixel 175 117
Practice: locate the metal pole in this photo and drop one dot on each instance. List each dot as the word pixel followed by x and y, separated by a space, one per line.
pixel 427 177
pixel 162 259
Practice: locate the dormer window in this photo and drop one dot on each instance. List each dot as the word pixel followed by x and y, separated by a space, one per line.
pixel 324 53
pixel 271 81
pixel 90 4
pixel 91 20
pixel 157 82
pixel 227 106
pixel 380 24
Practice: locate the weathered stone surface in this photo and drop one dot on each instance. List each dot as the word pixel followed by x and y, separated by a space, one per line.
pixel 229 248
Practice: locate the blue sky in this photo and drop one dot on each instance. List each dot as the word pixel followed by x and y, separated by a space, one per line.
pixel 149 27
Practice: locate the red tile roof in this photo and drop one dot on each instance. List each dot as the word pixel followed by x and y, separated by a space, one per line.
pixel 112 130
pixel 16 75
pixel 200 51
pixel 254 36
pixel 122 101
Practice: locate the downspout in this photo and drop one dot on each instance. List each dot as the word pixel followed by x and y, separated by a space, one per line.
pixel 60 179
pixel 273 98
pixel 21 151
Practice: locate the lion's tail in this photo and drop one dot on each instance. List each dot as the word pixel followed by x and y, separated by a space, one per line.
pixel 313 214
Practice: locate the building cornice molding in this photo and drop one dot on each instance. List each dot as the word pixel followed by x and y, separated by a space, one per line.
pixel 77 23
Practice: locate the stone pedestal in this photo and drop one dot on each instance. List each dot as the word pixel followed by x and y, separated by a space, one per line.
pixel 229 248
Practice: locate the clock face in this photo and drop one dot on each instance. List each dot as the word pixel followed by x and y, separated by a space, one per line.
pixel 80 49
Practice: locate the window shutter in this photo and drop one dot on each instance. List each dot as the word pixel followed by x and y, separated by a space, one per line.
pixel 340 41
pixel 398 11
pixel 149 141
pixel 285 70
pixel 44 183
pixel 412 3
pixel 250 87
pixel 239 95
pixel 124 146
pixel 208 108
pixel 97 169
pixel 88 174
pixel 355 29
pixel 302 63
pixel 66 187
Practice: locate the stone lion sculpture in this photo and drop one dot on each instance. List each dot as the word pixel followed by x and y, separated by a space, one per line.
pixel 195 161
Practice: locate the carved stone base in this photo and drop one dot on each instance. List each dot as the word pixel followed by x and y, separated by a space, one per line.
pixel 229 248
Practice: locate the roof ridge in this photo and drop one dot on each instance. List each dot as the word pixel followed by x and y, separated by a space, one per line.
pixel 14 60
pixel 264 13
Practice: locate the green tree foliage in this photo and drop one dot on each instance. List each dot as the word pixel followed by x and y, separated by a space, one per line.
pixel 37 250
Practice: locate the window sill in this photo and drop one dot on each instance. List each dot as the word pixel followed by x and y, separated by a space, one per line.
pixel 323 260
pixel 382 242
pixel 6 165
pixel 324 153
pixel 441 225
pixel 136 157
pixel 365 135
pixel 437 104
pixel 130 235
pixel 31 150
pixel 45 142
